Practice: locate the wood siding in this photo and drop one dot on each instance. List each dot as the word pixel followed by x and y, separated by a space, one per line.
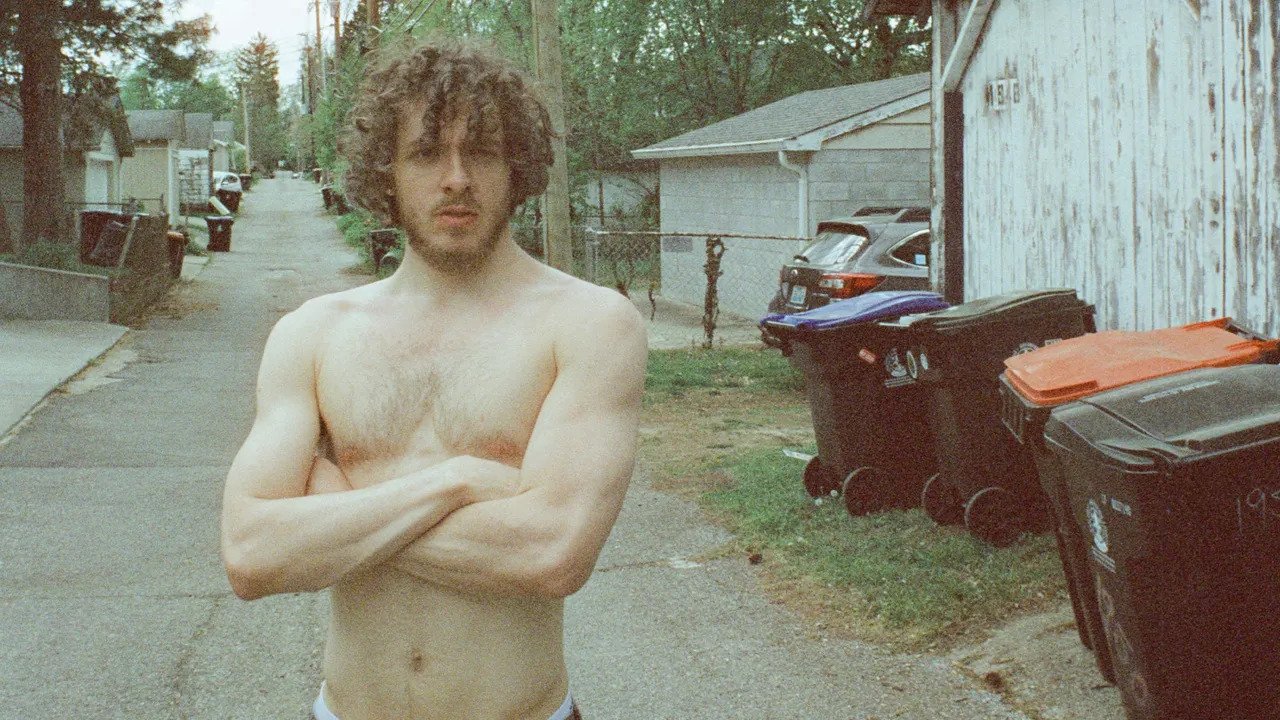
pixel 1141 164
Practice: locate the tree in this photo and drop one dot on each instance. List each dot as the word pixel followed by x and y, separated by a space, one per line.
pixel 56 49
pixel 205 93
pixel 256 66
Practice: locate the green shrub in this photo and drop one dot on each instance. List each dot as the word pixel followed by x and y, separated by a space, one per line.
pixel 54 256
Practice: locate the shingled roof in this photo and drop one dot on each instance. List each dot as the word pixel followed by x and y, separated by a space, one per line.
pixel 199 131
pixel 153 125
pixel 797 122
pixel 84 122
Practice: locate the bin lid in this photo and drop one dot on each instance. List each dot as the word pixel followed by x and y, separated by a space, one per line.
pixel 1000 308
pixel 1084 365
pixel 1177 417
pixel 864 308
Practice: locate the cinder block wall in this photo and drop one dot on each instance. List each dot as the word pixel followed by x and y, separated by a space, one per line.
pixel 753 195
pixel 742 194
pixel 841 181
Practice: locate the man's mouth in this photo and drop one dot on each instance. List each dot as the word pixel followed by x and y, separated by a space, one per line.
pixel 456 215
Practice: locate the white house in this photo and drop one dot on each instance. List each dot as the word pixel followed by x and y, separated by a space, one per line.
pixel 1129 150
pixel 779 170
pixel 97 138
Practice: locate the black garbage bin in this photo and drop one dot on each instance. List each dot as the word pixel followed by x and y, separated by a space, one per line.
pixel 874 443
pixel 246 181
pixel 985 479
pixel 229 198
pixel 326 194
pixel 219 232
pixel 380 243
pixel 91 224
pixel 1034 383
pixel 1176 484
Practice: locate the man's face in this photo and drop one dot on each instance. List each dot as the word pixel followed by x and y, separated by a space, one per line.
pixel 452 198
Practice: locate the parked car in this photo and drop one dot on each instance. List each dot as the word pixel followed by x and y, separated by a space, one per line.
pixel 878 248
pixel 227 187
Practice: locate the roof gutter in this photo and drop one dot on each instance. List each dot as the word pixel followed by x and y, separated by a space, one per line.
pixel 801 170
pixel 713 149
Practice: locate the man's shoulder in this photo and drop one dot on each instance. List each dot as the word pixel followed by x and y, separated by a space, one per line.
pixel 314 316
pixel 578 301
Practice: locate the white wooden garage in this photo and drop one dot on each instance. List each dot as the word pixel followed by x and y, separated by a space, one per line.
pixel 1127 148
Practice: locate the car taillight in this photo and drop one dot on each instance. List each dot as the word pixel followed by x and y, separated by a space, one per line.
pixel 847 285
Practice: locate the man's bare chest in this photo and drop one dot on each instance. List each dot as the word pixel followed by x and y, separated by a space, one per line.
pixel 387 392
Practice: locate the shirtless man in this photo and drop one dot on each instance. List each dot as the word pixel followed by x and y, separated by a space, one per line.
pixel 481 409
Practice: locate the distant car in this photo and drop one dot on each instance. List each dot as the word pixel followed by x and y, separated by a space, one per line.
pixel 226 186
pixel 296 175
pixel 878 248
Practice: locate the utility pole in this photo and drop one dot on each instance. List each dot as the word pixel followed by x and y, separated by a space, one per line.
pixel 556 242
pixel 335 7
pixel 374 19
pixel 324 82
pixel 244 104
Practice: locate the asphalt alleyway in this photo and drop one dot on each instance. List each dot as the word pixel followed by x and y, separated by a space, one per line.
pixel 113 601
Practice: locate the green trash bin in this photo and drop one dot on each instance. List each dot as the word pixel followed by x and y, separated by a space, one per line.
pixel 1175 483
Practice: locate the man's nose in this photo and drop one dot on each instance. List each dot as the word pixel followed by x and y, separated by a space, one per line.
pixel 456 177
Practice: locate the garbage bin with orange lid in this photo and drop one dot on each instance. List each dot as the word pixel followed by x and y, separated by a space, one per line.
pixel 1034 383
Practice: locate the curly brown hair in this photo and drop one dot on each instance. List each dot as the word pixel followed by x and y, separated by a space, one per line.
pixel 448 75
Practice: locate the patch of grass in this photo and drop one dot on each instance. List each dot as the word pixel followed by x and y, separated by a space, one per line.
pixel 715 424
pixel 672 373
pixel 921 584
pixel 355 227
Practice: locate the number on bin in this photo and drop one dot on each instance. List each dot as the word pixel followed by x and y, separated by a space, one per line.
pixel 1259 507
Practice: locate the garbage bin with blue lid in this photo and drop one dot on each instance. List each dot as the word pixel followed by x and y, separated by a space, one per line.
pixel 874 443
pixel 1174 483
pixel 985 478
pixel 219 232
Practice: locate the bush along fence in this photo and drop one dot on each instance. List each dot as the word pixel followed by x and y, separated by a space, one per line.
pixel 622 259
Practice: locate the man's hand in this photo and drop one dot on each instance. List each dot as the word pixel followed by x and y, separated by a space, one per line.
pixel 484 479
pixel 326 477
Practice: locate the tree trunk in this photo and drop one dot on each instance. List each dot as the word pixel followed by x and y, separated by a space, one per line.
pixel 43 187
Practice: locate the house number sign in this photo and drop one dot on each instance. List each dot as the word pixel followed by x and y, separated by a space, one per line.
pixel 1003 93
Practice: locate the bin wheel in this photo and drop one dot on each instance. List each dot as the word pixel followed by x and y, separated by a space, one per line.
pixel 941 501
pixel 993 516
pixel 861 491
pixel 387 265
pixel 817 479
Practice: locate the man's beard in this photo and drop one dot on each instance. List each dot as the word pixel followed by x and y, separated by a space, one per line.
pixel 455 262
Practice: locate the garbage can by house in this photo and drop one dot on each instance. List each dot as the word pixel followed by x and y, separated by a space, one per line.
pixel 985 479
pixel 874 442
pixel 219 232
pixel 326 194
pixel 91 224
pixel 1035 383
pixel 246 181
pixel 380 243
pixel 229 198
pixel 1175 483
pixel 177 252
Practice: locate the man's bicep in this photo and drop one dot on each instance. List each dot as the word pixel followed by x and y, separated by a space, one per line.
pixel 276 457
pixel 582 451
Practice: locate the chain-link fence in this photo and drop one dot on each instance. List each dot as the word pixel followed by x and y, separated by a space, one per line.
pixel 632 260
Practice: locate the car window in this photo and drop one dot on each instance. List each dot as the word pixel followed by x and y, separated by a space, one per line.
pixel 914 250
pixel 832 247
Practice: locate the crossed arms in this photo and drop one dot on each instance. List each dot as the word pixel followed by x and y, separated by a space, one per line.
pixel 466 523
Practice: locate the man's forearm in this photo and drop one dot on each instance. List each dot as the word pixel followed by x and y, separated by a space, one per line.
pixel 508 547
pixel 307 543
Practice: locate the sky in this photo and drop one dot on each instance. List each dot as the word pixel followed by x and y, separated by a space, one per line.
pixel 282 21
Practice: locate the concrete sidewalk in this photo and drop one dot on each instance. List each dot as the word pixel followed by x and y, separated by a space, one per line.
pixel 37 356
